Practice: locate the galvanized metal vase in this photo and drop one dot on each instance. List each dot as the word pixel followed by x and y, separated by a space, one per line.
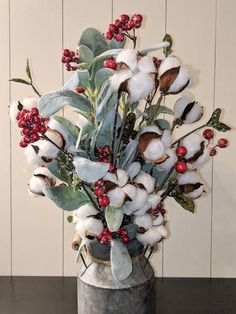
pixel 100 293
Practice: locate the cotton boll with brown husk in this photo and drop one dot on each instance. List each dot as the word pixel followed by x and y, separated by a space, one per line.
pixel 85 211
pixel 173 78
pixel 166 138
pixel 151 236
pixel 146 180
pixel 154 200
pixel 146 65
pixel 89 226
pixel 140 86
pixel 144 221
pixel 197 151
pixel 42 178
pixel 120 177
pixel 56 126
pixel 129 58
pixel 137 202
pixel 190 184
pixel 119 77
pixel 116 197
pixel 187 110
pixel 159 220
pixel 169 162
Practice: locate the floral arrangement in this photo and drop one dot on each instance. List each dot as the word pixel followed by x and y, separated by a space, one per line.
pixel 115 166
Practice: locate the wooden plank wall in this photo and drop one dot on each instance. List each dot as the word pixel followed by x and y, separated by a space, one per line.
pixel 35 235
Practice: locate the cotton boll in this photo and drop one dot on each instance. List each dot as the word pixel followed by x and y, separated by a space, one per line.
pixel 202 159
pixel 159 220
pixel 45 172
pixel 189 177
pixel 151 129
pixel 162 229
pixel 187 110
pixel 150 237
pixel 122 177
pixel 154 150
pixel 190 184
pixel 181 81
pixel 133 169
pixel 140 86
pixel 109 176
pixel 41 179
pixel 144 221
pixel 29 103
pixel 130 190
pixel 167 64
pixel 116 197
pixel 31 156
pixel 118 78
pixel 192 143
pixel 146 65
pixel 93 226
pixel 128 57
pixel 195 114
pixel 169 162
pixel 138 202
pixel 54 125
pixel 81 228
pixel 146 180
pixel 181 104
pixel 143 210
pixel 13 110
pixel 85 211
pixel 154 200
pixel 196 193
pixel 166 138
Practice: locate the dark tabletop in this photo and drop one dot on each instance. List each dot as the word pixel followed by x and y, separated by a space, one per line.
pixel 53 295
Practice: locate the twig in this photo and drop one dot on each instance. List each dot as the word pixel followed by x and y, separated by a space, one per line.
pixel 35 90
pixel 88 194
pixel 182 137
pixel 149 255
pixel 62 150
pixel 85 265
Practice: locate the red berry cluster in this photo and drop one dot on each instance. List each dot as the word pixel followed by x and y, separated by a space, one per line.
pixel 69 56
pixel 32 125
pixel 80 89
pixel 106 236
pixel 100 193
pixel 104 154
pixel 181 165
pixel 110 63
pixel 221 143
pixel 122 25
pixel 159 209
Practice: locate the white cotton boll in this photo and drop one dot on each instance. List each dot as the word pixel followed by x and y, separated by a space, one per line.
pixel 118 78
pixel 159 220
pixel 29 103
pixel 109 176
pixel 133 169
pixel 143 210
pixel 13 110
pixel 93 226
pixel 122 177
pixel 181 104
pixel 81 228
pixel 128 57
pixel 193 115
pixel 54 125
pixel 85 211
pixel 150 237
pixel 192 143
pixel 116 197
pixel 188 177
pixel 169 162
pixel 130 190
pixel 146 180
pixel 46 150
pixel 144 221
pixel 162 229
pixel 41 179
pixel 44 171
pixel 196 193
pixel 202 159
pixel 154 200
pixel 140 86
pixel 166 138
pixel 138 202
pixel 152 129
pixel 167 64
pixel 146 65
pixel 180 82
pixel 31 156
pixel 154 150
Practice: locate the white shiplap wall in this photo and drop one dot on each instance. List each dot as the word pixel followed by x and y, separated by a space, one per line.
pixel 35 236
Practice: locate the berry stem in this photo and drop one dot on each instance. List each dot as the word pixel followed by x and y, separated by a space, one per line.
pixel 83 185
pixel 62 150
pixel 182 137
pixel 35 90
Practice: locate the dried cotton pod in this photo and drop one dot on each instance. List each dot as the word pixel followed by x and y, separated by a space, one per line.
pixel 42 178
pixel 187 110
pixel 190 184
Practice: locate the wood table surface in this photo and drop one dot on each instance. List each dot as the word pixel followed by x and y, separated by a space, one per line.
pixel 56 295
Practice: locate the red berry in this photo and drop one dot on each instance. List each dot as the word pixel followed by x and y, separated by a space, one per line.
pixel 137 25
pixel 77 60
pixel 80 90
pixel 181 151
pixel 180 166
pixel 112 168
pixel 66 52
pixel 110 63
pixel 63 59
pixel 36 120
pixel 21 123
pixel 99 182
pixel 123 233
pixel 213 152
pixel 99 191
pixel 27 139
pixel 111 28
pixel 125 239
pixel 28 117
pixel 104 201
pixel 23 144
pixel 35 128
pixel 42 129
pixel 222 142
pixel 72 53
pixel 124 18
pixel 35 111
pixel 119 37
pixel 208 134
pixel 18 116
pixel 26 131
pixel 117 23
pixel 34 137
pixel 109 35
pixel 104 240
pixel 137 18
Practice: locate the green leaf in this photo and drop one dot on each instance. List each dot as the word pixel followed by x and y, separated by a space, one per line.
pixel 19 80
pixel 54 169
pixel 132 230
pixel 108 103
pixel 52 102
pixel 162 124
pixel 114 44
pixel 219 126
pixel 70 219
pixel 94 40
pixel 86 55
pixel 168 50
pixel 121 263
pixel 80 78
pixel 166 110
pixel 185 202
pixel 215 117
pixel 27 70
pixel 65 197
pixel 70 127
pixel 90 171
pixel 101 76
pixel 215 123
pixel 114 217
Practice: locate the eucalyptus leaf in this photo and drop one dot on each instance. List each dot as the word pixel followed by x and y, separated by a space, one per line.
pixel 162 124
pixel 19 80
pixel 66 197
pixel 79 78
pixel 114 44
pixel 52 102
pixel 90 171
pixel 121 263
pixel 94 40
pixel 167 50
pixel 166 110
pixel 27 70
pixel 86 55
pixel 132 230
pixel 70 127
pixel 114 217
pixel 107 104
pixel 129 153
pixel 101 76
pixel 53 168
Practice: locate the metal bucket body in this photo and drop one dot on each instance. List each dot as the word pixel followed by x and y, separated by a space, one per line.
pixel 100 293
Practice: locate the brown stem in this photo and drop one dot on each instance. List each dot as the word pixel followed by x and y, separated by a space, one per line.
pixel 35 90
pixel 182 137
pixel 83 185
pixel 53 143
